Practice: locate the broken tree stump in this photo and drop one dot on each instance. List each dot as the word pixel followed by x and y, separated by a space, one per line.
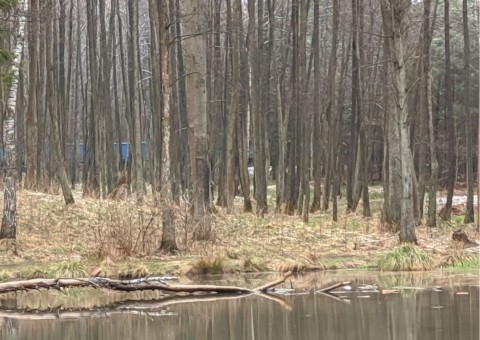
pixel 460 236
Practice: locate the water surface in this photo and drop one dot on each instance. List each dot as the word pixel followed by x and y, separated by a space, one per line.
pixel 428 306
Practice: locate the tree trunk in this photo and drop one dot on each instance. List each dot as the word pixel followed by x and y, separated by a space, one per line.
pixel 195 55
pixel 243 115
pixel 427 92
pixel 356 111
pixel 317 164
pixel 32 99
pixel 449 118
pixel 332 118
pixel 469 214
pixel 41 106
pixel 395 15
pixel 231 134
pixel 257 99
pixel 306 114
pixel 91 178
pixel 53 108
pixel 291 132
pixel 9 220
pixel 134 80
pixel 166 197
pixel 184 164
pixel 217 102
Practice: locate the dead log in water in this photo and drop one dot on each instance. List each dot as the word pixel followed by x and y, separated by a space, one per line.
pixel 149 283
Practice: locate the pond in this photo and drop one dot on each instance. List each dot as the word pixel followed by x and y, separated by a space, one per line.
pixel 372 306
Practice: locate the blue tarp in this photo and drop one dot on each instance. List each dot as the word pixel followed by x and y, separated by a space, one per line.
pixel 81 151
pixel 125 151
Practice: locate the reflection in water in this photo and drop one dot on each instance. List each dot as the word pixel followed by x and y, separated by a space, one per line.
pixel 414 314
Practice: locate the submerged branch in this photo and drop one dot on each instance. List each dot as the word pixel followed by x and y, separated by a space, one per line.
pixel 327 291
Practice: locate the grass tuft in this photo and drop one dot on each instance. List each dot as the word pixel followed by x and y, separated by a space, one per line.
pixel 66 269
pixel 404 258
pixel 466 261
pixel 458 258
pixel 133 271
pixel 206 266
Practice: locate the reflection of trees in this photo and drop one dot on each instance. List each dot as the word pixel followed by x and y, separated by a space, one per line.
pixel 310 316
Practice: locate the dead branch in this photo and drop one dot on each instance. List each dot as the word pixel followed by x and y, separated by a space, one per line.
pixel 267 286
pixel 327 291
pixel 332 287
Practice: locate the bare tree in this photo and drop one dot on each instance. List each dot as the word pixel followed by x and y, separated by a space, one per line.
pixel 32 100
pixel 53 111
pixel 166 196
pixel 469 214
pixel 317 161
pixel 196 87
pixel 257 102
pixel 231 133
pixel 395 20
pixel 449 118
pixel 9 220
pixel 135 106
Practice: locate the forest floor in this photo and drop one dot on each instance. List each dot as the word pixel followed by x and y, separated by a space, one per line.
pixel 102 237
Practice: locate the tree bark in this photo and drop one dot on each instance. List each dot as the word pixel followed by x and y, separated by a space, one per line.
pixel 55 120
pixel 256 104
pixel 242 140
pixel 41 180
pixel 135 101
pixel 331 180
pixel 395 15
pixel 231 134
pixel 356 111
pixel 427 92
pixel 91 173
pixel 32 99
pixel 291 132
pixel 166 197
pixel 317 164
pixel 195 55
pixel 469 214
pixel 9 220
pixel 449 118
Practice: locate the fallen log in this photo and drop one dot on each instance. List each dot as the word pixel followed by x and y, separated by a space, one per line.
pixel 148 283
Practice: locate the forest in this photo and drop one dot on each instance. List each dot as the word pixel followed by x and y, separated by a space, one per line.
pixel 168 126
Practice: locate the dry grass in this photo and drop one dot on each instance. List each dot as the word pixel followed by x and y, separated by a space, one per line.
pixel 205 266
pixel 106 236
pixel 405 258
